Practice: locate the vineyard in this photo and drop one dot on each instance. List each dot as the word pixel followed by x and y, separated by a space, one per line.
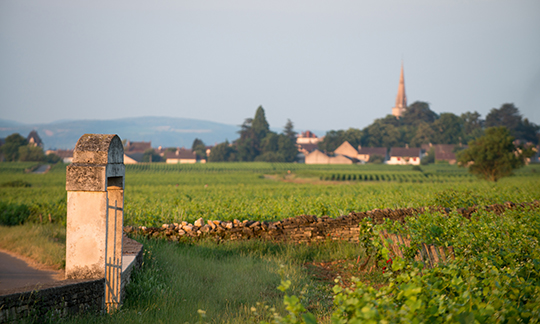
pixel 494 277
pixel 161 193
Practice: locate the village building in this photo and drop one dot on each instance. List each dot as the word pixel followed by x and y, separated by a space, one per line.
pixel 405 155
pixel 308 137
pixel 133 157
pixel 34 139
pixel 318 157
pixel 182 156
pixel 365 153
pixel 346 149
pixel 401 98
pixel 137 147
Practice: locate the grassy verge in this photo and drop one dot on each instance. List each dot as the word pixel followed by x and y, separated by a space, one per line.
pixel 225 280
pixel 45 244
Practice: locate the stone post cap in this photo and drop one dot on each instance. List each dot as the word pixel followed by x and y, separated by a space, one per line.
pixel 99 149
pixel 98 163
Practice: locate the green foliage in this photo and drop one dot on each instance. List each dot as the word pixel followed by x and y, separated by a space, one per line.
pixel 493 155
pixel 53 158
pixel 495 276
pixel 223 152
pixel 508 116
pixel 13 214
pixel 31 153
pixel 11 147
pixel 376 159
pixel 429 157
pixel 151 156
pixel 451 198
pixel 199 148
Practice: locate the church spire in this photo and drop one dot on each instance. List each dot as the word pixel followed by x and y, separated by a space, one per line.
pixel 401 98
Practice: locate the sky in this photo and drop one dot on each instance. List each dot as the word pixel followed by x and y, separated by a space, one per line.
pixel 323 64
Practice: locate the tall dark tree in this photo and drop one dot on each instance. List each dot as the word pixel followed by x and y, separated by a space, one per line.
pixel 259 125
pixel 529 132
pixel 11 147
pixel 252 133
pixel 448 129
pixel 287 149
pixel 288 130
pixel 199 148
pixel 417 112
pixel 473 125
pixel 508 116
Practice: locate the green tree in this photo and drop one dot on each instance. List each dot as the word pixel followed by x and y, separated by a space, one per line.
pixel 252 133
pixel 493 155
pixel 448 129
pixel 429 157
pixel 380 134
pixel 259 124
pixel 223 152
pixel 199 148
pixel 11 147
pixel 53 158
pixel 417 112
pixel 31 153
pixel 473 125
pixel 508 116
pixel 424 135
pixel 288 131
pixel 287 148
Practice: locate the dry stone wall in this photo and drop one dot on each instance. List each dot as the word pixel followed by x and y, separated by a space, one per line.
pixel 304 228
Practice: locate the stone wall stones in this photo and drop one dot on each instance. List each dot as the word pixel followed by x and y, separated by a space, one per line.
pixel 304 228
pixel 54 302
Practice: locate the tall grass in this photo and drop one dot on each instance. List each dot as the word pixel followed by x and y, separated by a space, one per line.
pixel 224 280
pixel 45 244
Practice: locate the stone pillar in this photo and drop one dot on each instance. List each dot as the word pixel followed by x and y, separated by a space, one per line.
pixel 94 182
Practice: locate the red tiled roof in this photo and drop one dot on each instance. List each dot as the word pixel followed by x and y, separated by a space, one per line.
pixel 406 152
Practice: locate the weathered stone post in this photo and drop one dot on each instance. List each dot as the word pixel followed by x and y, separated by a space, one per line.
pixel 95 185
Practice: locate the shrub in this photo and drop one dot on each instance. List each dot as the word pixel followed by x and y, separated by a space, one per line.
pixel 13 214
pixel 16 183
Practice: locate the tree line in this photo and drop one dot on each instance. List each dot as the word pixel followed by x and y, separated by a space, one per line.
pixel 420 125
pixel 256 143
pixel 17 148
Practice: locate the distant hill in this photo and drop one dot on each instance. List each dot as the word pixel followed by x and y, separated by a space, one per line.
pixel 161 131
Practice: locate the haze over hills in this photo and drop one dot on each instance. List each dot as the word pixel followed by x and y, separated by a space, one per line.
pixel 161 131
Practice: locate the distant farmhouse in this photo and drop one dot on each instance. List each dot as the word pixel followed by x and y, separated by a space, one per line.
pixel 405 155
pixel 182 155
pixel 306 142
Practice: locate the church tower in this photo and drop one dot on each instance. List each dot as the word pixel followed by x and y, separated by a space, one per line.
pixel 401 99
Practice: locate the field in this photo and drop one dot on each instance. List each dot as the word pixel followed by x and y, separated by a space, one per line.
pixel 179 279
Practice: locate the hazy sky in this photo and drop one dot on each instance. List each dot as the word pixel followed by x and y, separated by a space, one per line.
pixel 323 64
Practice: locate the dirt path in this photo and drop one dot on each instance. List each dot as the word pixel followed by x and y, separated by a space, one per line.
pixel 42 169
pixel 16 274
